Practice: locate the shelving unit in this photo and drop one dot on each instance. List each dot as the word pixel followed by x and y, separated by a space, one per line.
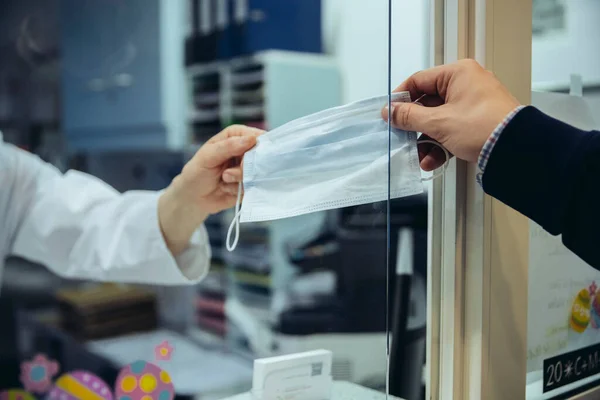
pixel 264 90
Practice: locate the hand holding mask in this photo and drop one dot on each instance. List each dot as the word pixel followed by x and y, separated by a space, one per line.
pixel 332 159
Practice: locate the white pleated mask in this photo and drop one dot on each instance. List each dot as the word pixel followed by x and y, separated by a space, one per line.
pixel 332 159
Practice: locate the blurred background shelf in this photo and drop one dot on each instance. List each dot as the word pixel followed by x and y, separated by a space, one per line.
pixel 128 92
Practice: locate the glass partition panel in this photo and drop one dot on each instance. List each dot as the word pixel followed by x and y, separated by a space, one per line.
pixel 563 334
pixel 407 222
pixel 118 281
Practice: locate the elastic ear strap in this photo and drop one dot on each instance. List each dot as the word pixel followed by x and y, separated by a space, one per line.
pixel 439 171
pixel 235 223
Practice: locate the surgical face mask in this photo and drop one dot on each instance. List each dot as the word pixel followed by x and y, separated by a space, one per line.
pixel 332 159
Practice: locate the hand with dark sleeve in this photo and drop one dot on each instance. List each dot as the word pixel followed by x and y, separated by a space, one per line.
pixel 545 169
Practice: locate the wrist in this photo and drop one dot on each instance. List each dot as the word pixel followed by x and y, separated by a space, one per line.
pixel 490 143
pixel 178 217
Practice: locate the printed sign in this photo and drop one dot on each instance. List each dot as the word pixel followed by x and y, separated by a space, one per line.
pixel 571 367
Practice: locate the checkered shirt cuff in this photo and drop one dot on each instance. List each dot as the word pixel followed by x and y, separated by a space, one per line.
pixel 488 147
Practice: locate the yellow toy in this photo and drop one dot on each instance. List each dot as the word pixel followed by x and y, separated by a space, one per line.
pixel 580 311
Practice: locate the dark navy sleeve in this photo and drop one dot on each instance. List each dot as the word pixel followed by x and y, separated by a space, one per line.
pixel 550 172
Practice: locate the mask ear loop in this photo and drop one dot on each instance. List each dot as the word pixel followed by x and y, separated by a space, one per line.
pixel 439 171
pixel 235 223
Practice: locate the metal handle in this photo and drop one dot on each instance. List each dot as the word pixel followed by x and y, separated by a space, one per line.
pixel 118 81
pixel 123 80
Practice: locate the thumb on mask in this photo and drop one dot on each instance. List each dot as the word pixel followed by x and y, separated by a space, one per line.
pixel 415 117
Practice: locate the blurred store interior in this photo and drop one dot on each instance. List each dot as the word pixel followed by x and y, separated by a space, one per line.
pixel 127 91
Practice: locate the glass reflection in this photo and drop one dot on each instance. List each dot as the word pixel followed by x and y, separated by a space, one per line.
pixel 128 91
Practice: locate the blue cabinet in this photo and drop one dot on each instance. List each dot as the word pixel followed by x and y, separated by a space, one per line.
pixel 293 25
pixel 122 74
pixel 251 26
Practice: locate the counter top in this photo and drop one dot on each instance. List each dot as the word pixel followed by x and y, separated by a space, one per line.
pixel 341 391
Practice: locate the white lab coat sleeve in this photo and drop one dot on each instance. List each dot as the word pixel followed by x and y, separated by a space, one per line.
pixel 80 227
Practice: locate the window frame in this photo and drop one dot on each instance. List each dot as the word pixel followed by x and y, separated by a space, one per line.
pixel 478 247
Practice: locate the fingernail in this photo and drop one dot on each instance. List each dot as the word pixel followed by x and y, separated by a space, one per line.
pixel 228 178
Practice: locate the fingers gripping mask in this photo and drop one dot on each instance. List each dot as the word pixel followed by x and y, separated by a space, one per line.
pixel 332 159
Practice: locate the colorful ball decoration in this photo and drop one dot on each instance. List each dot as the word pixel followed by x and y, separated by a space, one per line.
pixel 80 385
pixel 595 312
pixel 16 394
pixel 580 311
pixel 36 375
pixel 144 381
pixel 164 351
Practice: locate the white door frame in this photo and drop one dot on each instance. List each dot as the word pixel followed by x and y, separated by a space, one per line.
pixel 446 230
pixel 478 247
